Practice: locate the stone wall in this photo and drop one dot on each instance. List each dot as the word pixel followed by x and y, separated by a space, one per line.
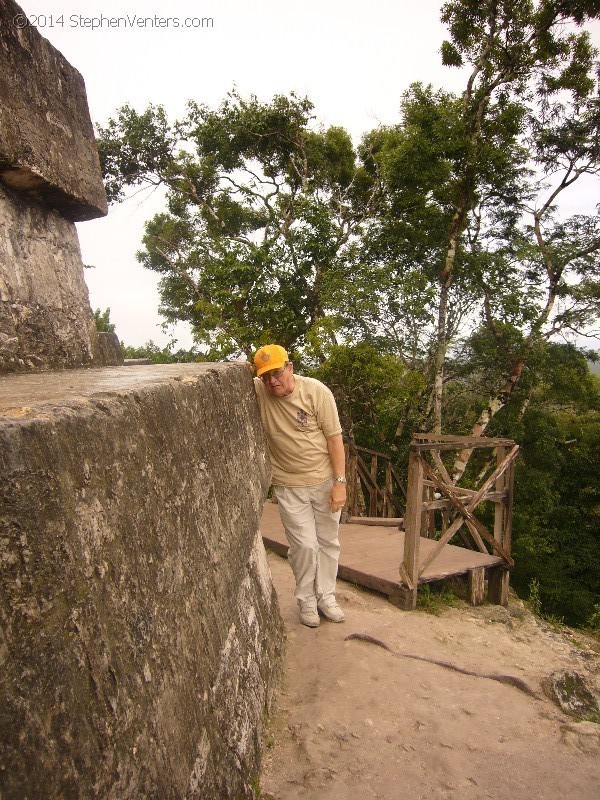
pixel 140 631
pixel 45 316
pixel 47 148
pixel 49 178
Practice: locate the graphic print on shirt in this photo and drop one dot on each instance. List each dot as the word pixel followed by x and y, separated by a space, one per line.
pixel 302 417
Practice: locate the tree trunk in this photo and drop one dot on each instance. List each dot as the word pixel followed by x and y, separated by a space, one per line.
pixel 458 222
pixel 486 416
pixel 440 360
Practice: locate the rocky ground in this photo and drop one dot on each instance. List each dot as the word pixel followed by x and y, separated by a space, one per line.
pixel 354 720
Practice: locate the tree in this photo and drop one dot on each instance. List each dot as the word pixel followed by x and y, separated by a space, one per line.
pixel 462 173
pixel 264 213
pixel 373 389
pixel 162 355
pixel 557 490
pixel 102 320
pixel 519 53
pixel 544 279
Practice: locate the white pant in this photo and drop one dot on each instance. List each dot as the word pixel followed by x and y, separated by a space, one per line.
pixel 312 531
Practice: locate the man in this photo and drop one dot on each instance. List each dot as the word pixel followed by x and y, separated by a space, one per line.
pixel 308 465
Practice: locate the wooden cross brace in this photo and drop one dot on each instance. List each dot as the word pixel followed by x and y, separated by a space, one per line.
pixel 477 528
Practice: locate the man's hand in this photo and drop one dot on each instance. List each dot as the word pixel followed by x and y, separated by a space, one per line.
pixel 337 498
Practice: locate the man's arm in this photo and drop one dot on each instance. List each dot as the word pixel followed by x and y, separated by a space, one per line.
pixel 337 456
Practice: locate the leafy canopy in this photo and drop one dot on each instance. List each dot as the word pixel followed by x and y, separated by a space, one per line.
pixel 259 238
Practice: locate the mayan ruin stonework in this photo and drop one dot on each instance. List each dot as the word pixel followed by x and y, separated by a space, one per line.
pixel 49 179
pixel 140 635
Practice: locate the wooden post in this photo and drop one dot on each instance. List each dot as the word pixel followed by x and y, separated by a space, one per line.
pixel 426 514
pixel 498 579
pixel 444 520
pixel 510 485
pixel 403 598
pixel 476 579
pixel 409 569
pixel 388 507
pixel 373 492
pixel 499 507
pixel 351 478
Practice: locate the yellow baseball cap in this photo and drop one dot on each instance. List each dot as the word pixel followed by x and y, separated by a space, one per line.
pixel 271 356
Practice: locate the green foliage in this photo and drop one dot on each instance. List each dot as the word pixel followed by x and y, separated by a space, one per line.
pixel 164 355
pixel 434 598
pixel 535 603
pixel 424 274
pixel 102 320
pixel 593 621
pixel 263 212
pixel 375 393
pixel 148 146
pixel 556 522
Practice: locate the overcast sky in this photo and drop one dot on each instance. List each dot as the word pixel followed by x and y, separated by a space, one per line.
pixel 352 59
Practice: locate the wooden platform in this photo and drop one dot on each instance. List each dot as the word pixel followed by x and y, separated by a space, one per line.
pixel 371 555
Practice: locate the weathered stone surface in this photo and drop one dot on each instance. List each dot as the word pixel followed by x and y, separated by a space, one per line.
pixel 47 146
pixel 569 690
pixel 140 630
pixel 45 316
pixel 585 736
pixel 109 347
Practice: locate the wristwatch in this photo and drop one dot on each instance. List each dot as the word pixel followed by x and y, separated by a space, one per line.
pixel 340 480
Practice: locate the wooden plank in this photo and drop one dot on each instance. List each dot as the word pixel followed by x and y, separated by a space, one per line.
pixel 465 516
pixel 471 444
pixel 498 582
pixel 403 598
pixel 479 494
pixel 373 505
pixel 387 504
pixel 405 577
pixel 476 582
pixel 365 475
pixel 352 478
pixel 485 534
pixel 412 521
pixel 439 545
pixel 385 522
pixel 397 480
pixel 393 504
pixel 467 511
pixel 476 536
pixel 437 460
pixel 510 485
pixel 462 491
pixel 371 452
pixel 499 507
pixel 370 555
pixel 431 505
pixel 462 441
pixel 427 521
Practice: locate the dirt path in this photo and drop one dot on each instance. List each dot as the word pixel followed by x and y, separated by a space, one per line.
pixel 352 720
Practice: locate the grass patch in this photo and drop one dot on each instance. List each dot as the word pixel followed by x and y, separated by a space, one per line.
pixel 435 597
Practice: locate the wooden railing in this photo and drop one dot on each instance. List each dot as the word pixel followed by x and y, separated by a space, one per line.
pixel 375 492
pixel 431 490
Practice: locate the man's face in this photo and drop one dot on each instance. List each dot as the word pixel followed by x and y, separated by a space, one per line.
pixel 279 382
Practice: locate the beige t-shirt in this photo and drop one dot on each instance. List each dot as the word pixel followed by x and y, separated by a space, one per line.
pixel 297 428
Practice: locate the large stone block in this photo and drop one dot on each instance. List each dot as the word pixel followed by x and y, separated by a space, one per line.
pixel 47 146
pixel 140 631
pixel 45 316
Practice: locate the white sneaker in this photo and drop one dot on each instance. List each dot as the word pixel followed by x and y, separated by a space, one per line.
pixel 331 611
pixel 309 615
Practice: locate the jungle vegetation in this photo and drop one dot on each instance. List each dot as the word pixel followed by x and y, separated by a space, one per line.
pixel 430 273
